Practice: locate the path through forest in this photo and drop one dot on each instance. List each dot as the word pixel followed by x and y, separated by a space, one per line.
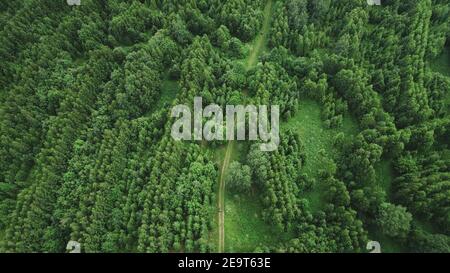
pixel 261 39
pixel 258 47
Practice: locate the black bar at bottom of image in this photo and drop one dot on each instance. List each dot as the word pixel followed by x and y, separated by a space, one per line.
pixel 238 262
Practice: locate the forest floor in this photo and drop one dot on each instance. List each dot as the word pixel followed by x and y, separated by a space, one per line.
pixel 256 50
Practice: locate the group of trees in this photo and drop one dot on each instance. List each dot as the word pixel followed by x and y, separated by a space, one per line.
pixel 394 221
pixel 239 178
pixel 269 84
pixel 296 24
pixel 242 17
pixel 276 174
pixel 82 154
pixel 398 102
pixel 85 143
pixel 422 185
pixel 30 225
pixel 177 211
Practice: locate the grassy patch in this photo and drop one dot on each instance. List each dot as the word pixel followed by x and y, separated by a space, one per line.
pixel 318 143
pixel 245 229
pixel 385 176
pixel 169 91
pixel 442 63
pixel 317 139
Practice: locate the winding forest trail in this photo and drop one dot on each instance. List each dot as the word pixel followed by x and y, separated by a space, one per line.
pixel 261 39
pixel 257 49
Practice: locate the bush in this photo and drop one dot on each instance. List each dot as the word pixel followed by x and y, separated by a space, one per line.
pixel 239 177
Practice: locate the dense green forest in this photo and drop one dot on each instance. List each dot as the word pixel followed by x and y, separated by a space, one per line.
pixel 87 155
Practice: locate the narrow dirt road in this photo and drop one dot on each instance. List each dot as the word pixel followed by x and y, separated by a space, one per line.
pixel 261 39
pixel 258 47
pixel 221 199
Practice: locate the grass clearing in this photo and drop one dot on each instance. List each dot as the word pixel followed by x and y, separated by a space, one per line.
pixel 245 228
pixel 317 139
pixel 385 177
pixel 169 91
pixel 442 63
pixel 318 143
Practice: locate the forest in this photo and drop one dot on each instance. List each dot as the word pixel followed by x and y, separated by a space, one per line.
pixel 86 151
